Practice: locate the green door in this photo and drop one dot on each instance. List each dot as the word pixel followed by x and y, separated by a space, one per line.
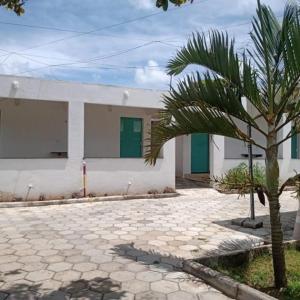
pixel 131 136
pixel 294 144
pixel 200 153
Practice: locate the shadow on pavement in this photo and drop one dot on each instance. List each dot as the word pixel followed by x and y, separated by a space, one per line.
pixel 93 289
pixel 287 220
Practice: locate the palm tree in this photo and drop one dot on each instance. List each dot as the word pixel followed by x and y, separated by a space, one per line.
pixel 165 3
pixel 14 5
pixel 266 75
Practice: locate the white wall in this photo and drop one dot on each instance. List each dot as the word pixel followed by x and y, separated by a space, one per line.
pixel 102 128
pixel 287 165
pixel 54 90
pixel 32 129
pixel 62 177
pixel 179 156
pixel 115 175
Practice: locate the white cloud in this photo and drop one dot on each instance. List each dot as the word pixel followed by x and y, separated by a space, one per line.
pixel 151 75
pixel 142 4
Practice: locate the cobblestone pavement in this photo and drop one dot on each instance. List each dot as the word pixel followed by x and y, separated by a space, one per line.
pixel 123 249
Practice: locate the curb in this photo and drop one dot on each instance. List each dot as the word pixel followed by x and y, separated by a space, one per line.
pixel 223 283
pixel 86 200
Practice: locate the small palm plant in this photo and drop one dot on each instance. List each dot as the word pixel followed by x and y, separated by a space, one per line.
pixel 267 75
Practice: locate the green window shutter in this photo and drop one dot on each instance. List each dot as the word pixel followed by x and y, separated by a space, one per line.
pixel 131 137
pixel 294 145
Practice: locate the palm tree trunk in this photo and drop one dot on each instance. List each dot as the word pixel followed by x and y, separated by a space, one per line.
pixel 296 234
pixel 272 178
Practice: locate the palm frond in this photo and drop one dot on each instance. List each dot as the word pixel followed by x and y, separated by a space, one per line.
pixel 267 53
pixel 291 59
pixel 179 120
pixel 217 55
pixel 212 90
pixel 250 87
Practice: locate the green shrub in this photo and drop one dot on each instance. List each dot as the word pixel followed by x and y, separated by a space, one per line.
pixel 238 177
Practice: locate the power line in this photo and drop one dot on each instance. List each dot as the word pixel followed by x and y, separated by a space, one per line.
pixel 161 42
pixel 91 60
pixel 79 34
pixel 38 27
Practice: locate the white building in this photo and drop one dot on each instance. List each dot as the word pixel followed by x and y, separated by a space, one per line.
pixel 48 128
pixel 214 155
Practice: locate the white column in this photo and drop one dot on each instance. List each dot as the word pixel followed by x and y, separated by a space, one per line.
pixel 187 144
pixel 217 155
pixel 286 164
pixel 76 130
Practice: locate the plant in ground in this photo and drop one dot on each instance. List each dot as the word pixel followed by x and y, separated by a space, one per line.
pixel 266 75
pixel 238 177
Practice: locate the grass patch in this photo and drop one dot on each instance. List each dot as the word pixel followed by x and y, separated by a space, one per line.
pixel 258 273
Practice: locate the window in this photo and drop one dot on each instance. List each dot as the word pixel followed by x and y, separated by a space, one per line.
pixel 131 137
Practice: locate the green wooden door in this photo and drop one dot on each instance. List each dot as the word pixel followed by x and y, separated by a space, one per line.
pixel 294 142
pixel 199 153
pixel 131 136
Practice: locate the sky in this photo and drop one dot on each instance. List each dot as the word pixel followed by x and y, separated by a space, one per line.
pixel 116 42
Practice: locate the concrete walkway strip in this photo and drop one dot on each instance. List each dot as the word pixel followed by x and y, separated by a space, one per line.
pixel 224 284
pixel 86 200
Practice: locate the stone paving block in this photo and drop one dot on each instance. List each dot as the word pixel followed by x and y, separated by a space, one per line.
pixel 100 259
pixel 4 259
pixel 39 275
pixel 68 275
pixel 30 267
pixel 180 295
pixel 92 252
pixel 150 295
pixel 164 286
pixel 94 274
pixel 55 295
pixel 163 268
pixel 87 295
pixel 111 267
pixel 10 267
pixel 46 285
pixel 29 259
pixel 135 286
pixel 135 267
pixel 52 259
pixel 23 296
pixel 149 276
pixel 25 252
pixel 17 286
pixel 122 276
pixel 47 252
pixel 63 246
pixel 85 267
pixel 118 296
pixel 104 285
pixel 77 259
pixel 75 287
pixel 60 266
